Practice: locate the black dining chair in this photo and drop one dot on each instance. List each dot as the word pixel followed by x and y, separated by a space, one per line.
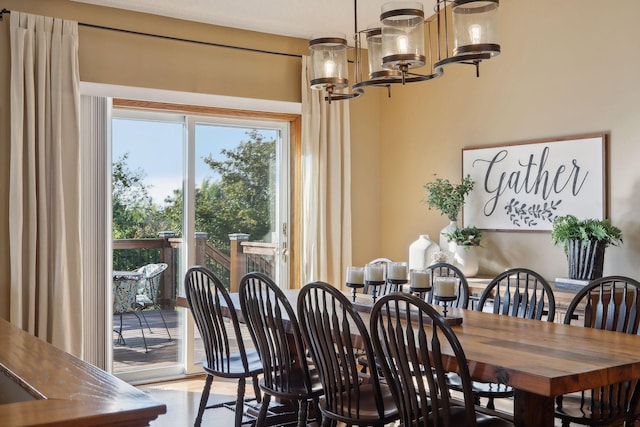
pixel 217 322
pixel 517 292
pixel 333 329
pixel 412 357
pixel 610 303
pixel 276 334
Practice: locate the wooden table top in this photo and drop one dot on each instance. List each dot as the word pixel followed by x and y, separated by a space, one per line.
pixel 545 358
pixel 68 391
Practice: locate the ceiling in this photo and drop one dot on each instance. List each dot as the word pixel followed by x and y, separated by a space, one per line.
pixel 294 18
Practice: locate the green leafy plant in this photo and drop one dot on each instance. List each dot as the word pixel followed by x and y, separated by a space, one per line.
pixel 467 236
pixel 448 198
pixel 568 227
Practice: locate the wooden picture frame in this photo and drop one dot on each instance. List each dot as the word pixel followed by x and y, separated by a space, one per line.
pixel 525 186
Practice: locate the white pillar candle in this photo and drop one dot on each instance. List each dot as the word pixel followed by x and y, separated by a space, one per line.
pixel 420 279
pixel 355 275
pixel 374 273
pixel 445 287
pixel 397 271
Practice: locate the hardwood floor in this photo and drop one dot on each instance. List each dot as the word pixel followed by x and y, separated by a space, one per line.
pixel 183 398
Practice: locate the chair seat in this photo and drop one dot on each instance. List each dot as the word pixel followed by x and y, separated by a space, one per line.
pixel 480 389
pixel 368 412
pixel 297 387
pixel 234 368
pixel 572 410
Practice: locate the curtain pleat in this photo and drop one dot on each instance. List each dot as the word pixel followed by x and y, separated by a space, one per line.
pixel 326 185
pixel 44 218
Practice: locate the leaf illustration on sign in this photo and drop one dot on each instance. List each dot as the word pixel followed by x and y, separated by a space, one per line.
pixel 531 214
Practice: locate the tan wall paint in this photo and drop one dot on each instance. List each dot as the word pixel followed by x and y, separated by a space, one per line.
pixel 567 68
pixel 366 198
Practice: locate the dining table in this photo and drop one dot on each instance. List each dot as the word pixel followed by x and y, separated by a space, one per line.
pixel 540 360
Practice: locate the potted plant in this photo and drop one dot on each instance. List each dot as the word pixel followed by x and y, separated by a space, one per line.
pixel 466 241
pixel 584 243
pixel 448 198
pixel 466 237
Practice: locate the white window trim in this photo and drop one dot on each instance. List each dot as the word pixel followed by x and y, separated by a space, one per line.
pixel 189 98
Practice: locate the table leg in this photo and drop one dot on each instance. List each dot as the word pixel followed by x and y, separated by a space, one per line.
pixel 532 410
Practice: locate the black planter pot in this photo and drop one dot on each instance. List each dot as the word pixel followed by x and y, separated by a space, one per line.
pixel 586 259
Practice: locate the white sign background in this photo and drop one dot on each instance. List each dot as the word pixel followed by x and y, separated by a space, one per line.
pixel 525 186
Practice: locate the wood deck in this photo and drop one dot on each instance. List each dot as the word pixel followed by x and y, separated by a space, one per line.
pixel 162 352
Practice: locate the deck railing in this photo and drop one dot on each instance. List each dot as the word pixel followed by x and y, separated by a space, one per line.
pixel 245 256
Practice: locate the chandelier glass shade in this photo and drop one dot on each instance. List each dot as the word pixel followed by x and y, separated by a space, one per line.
pixel 375 55
pixel 329 63
pixel 475 27
pixel 406 42
pixel 402 36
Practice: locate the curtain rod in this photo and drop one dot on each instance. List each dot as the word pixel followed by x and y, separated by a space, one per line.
pixel 178 39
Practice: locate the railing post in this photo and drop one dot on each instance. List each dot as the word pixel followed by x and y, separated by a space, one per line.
pixel 238 260
pixel 168 277
pixel 201 246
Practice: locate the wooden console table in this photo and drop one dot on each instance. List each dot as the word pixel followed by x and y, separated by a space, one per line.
pixel 61 390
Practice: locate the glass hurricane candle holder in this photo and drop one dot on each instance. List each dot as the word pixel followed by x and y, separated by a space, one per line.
pixel 374 275
pixel 420 280
pixel 445 290
pixel 355 279
pixel 397 275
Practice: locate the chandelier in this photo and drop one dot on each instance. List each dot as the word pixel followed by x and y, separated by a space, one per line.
pixel 405 42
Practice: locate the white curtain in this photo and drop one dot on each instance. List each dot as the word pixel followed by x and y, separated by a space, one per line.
pixel 326 185
pixel 44 221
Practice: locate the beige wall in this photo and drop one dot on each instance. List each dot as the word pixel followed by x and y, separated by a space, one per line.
pixel 567 68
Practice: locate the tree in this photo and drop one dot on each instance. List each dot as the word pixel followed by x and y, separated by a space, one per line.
pixel 133 212
pixel 241 200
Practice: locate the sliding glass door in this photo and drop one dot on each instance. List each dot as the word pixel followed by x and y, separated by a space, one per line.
pixel 190 190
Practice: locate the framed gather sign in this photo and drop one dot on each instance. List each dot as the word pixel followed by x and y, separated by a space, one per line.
pixel 525 186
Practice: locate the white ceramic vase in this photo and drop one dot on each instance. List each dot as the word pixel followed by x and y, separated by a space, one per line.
pixel 421 252
pixel 466 259
pixel 445 245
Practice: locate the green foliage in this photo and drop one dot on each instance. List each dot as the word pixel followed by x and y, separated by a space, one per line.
pixel 241 201
pixel 448 198
pixel 468 236
pixel 569 227
pixel 134 215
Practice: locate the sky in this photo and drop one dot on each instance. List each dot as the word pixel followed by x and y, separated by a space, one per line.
pixel 156 148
